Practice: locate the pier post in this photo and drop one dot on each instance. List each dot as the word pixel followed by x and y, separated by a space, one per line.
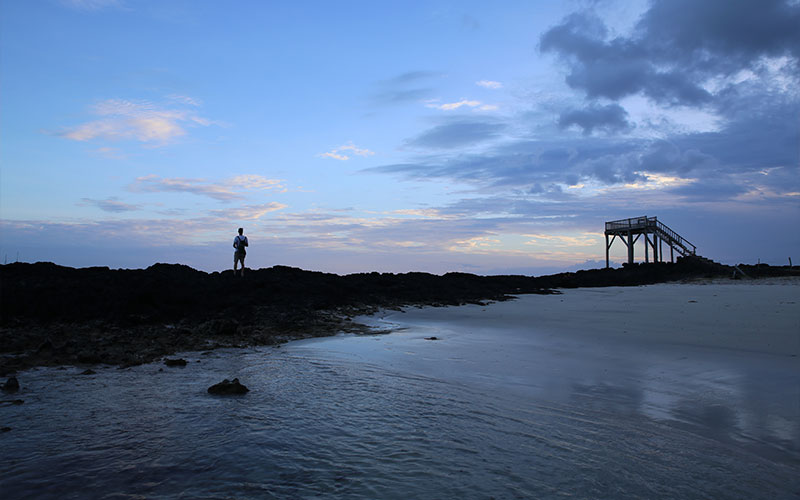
pixel 657 247
pixel 630 246
pixel 607 263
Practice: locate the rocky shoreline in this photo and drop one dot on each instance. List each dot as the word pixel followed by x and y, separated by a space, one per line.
pixel 52 315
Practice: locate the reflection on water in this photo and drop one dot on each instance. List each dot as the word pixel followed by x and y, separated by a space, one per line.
pixel 395 416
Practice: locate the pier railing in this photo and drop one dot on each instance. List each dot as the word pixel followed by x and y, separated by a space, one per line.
pixel 669 235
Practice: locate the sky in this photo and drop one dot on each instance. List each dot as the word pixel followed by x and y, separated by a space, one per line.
pixel 396 136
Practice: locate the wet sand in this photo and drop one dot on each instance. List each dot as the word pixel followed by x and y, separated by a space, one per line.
pixel 758 316
pixel 717 358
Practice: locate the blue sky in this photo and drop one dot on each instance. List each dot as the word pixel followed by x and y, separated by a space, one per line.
pixel 485 137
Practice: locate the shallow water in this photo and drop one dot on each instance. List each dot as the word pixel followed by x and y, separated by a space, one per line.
pixel 476 414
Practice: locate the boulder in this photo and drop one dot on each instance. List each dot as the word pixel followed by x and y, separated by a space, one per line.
pixel 88 372
pixel 175 362
pixel 11 385
pixel 228 387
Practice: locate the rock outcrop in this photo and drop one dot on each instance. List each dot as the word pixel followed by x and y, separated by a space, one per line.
pixel 228 387
pixel 11 385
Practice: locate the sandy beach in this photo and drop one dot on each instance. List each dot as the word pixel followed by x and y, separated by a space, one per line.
pixel 760 316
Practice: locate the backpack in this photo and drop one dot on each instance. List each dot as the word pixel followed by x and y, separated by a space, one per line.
pixel 241 243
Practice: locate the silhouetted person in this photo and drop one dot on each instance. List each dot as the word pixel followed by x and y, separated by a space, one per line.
pixel 239 243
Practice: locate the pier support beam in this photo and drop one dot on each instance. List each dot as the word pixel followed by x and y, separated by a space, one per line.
pixel 630 247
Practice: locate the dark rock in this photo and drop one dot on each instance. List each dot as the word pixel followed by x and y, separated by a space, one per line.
pixel 45 346
pixel 431 338
pixel 222 326
pixel 5 429
pixel 228 387
pixel 88 372
pixel 11 385
pixel 89 358
pixel 175 362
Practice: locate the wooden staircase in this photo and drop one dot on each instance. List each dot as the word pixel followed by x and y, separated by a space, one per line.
pixel 655 234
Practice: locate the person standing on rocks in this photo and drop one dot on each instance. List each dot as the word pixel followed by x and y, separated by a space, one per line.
pixel 239 243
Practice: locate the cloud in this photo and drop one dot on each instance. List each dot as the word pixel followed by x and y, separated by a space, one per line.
pixel 183 99
pixel 489 84
pixel 456 134
pixel 677 48
pixel 227 190
pixel 708 190
pixel 451 106
pixel 742 85
pixel 610 118
pixel 142 121
pixel 665 156
pixel 254 181
pixel 745 144
pixel 333 154
pixel 339 153
pixel 249 212
pixel 111 204
pixel 455 105
pixel 153 183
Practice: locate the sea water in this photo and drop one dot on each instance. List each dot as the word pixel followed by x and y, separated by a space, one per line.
pixel 474 414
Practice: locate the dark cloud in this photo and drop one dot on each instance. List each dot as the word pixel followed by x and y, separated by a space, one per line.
pixel 711 189
pixel 457 134
pixel 722 36
pixel 665 156
pixel 111 205
pixel 676 47
pixel 539 167
pixel 760 131
pixel 758 148
pixel 610 118
pixel 616 68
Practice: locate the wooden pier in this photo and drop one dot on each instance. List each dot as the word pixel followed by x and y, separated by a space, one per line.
pixel 655 234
